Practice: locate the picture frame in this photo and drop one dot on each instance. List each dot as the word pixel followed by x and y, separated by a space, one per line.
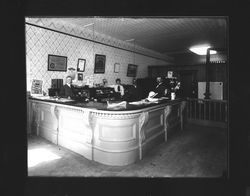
pixel 57 63
pixel 99 63
pixel 80 77
pixel 116 67
pixel 81 65
pixel 132 70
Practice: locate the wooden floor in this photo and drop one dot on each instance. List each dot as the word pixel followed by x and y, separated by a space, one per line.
pixel 197 151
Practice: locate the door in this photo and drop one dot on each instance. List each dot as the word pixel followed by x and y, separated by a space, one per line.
pixel 188 83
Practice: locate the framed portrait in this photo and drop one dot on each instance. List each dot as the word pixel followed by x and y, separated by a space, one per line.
pixel 81 65
pixel 132 70
pixel 116 67
pixel 80 77
pixel 57 63
pixel 99 63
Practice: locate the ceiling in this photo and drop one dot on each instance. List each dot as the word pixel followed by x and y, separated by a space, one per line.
pixel 164 35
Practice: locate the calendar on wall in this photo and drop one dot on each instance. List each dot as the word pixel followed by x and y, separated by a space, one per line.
pixel 215 88
pixel 36 87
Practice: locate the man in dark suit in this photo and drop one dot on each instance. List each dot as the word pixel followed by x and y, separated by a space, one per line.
pixel 131 92
pixel 66 91
pixel 160 88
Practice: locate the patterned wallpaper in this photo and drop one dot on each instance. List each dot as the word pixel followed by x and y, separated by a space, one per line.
pixel 62 25
pixel 41 42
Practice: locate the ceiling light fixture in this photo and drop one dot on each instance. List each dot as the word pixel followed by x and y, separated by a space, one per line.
pixel 201 50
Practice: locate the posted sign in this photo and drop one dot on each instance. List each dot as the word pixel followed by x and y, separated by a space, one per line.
pixel 36 87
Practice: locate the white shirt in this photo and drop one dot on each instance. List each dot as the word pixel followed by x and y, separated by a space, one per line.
pixel 116 88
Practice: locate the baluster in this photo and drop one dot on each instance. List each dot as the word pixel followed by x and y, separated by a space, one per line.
pixel 200 111
pixel 214 110
pixel 209 109
pixel 226 112
pixel 220 112
pixel 195 109
pixel 205 104
pixel 191 109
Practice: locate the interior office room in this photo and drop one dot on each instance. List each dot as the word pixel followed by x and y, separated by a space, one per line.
pixel 127 96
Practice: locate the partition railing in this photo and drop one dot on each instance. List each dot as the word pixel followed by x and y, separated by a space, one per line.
pixel 207 112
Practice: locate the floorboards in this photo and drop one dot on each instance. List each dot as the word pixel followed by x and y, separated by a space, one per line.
pixel 197 151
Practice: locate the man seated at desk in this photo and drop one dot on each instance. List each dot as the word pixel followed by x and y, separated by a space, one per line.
pixel 66 91
pixel 104 83
pixel 119 89
pixel 133 91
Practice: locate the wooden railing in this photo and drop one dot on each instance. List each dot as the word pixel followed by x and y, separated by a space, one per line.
pixel 207 112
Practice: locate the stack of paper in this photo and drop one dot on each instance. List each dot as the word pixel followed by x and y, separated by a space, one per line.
pixel 120 104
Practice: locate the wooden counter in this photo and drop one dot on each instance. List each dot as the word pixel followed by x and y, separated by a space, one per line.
pixel 109 136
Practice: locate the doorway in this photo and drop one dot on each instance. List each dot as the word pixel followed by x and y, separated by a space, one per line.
pixel 188 79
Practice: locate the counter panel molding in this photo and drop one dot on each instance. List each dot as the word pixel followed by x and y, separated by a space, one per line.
pixel 115 138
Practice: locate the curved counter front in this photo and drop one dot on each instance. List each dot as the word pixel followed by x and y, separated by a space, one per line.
pixel 109 136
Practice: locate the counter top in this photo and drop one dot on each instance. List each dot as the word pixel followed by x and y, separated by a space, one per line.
pixel 127 106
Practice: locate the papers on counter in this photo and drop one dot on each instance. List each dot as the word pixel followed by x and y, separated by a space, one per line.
pixel 152 99
pixel 119 104
pixel 136 103
pixel 41 97
pixel 148 101
pixel 63 100
pixel 144 102
pixel 164 98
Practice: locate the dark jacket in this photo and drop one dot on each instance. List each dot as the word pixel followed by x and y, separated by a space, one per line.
pixel 66 91
pixel 134 93
pixel 160 89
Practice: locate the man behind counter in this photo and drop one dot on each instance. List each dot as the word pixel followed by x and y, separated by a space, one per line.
pixel 160 89
pixel 66 91
pixel 119 89
pixel 133 91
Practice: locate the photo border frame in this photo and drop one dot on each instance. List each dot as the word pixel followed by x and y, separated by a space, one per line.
pixel 132 70
pixel 99 59
pixel 79 61
pixel 50 62
pixel 117 67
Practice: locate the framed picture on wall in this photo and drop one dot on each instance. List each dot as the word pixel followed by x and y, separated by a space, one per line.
pixel 81 65
pixel 57 63
pixel 116 67
pixel 132 70
pixel 99 63
pixel 80 76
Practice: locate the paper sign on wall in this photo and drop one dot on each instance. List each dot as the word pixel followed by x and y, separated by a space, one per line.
pixel 216 90
pixel 36 87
